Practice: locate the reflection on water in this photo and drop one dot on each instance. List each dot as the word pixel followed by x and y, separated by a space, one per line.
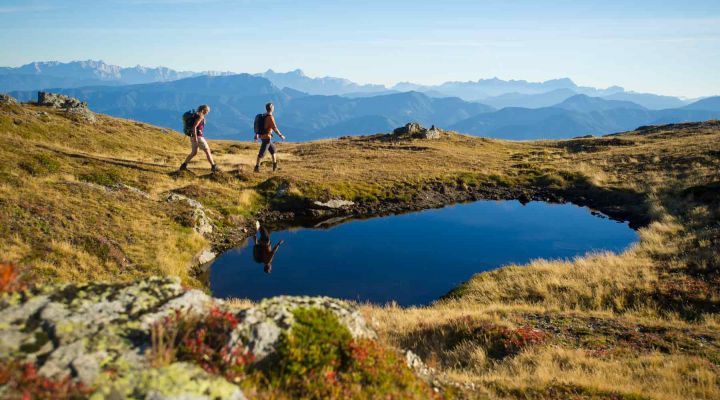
pixel 411 259
pixel 263 252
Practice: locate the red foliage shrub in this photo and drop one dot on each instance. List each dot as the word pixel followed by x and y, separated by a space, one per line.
pixel 9 280
pixel 21 381
pixel 203 341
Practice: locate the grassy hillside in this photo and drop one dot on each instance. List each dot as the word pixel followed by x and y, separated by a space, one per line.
pixel 81 202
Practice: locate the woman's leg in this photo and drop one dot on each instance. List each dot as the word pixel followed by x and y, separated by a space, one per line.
pixel 193 152
pixel 206 149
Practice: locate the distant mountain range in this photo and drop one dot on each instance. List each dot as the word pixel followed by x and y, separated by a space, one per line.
pixel 311 108
pixel 580 115
pixel 48 74
pixel 236 99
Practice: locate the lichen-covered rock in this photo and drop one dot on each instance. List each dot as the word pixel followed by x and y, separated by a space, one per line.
pixel 262 325
pixel 74 329
pixel 202 223
pixel 178 381
pixel 99 334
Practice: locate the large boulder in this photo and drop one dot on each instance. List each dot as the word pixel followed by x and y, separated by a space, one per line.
pixel 74 329
pixel 7 99
pixel 416 131
pixel 74 108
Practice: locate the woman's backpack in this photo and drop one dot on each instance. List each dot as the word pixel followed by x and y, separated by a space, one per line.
pixel 189 119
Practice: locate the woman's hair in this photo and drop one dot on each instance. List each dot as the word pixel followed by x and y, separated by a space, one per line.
pixel 204 107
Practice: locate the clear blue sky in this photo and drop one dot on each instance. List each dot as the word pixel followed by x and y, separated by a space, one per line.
pixel 667 47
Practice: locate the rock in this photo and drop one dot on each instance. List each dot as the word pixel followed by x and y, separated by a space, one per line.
pixel 178 381
pixel 415 363
pixel 206 256
pixel 410 128
pixel 7 99
pixel 55 100
pixel 433 133
pixel 282 189
pixel 417 131
pixel 201 222
pixel 334 204
pixel 74 108
pixel 263 324
pixel 131 189
pixel 74 329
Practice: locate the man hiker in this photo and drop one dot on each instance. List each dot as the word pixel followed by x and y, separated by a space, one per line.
pixel 263 252
pixel 195 131
pixel 265 136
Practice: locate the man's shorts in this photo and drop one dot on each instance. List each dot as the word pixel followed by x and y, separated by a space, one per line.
pixel 201 142
pixel 266 145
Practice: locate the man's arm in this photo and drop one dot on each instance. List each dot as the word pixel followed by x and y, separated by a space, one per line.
pixel 275 128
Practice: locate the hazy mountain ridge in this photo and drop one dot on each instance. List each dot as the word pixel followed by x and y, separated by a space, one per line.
pixel 495 92
pixel 236 99
pixel 84 73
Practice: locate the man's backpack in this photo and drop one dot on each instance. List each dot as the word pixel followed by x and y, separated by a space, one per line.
pixel 189 119
pixel 259 124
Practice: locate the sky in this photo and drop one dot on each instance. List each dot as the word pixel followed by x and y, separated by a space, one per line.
pixel 664 47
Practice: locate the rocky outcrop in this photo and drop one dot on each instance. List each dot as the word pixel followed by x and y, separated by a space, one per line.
pixel 7 99
pixel 417 131
pixel 55 100
pixel 264 323
pixel 201 222
pixel 73 107
pixel 99 334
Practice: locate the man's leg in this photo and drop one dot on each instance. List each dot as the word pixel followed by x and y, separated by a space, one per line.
pixel 263 147
pixel 272 154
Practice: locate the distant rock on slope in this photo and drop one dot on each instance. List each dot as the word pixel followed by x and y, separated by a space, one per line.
pixel 72 106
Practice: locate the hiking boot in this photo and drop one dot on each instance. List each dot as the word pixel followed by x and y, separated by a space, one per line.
pixel 257 168
pixel 183 167
pixel 274 166
pixel 214 169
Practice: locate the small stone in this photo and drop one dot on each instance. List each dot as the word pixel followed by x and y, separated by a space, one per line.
pixel 334 204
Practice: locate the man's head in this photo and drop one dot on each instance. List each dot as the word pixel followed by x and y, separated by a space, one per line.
pixel 267 268
pixel 269 107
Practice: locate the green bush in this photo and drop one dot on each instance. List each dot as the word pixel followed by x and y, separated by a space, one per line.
pixel 316 341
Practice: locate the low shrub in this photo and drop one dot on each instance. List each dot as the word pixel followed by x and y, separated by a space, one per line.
pixel 201 340
pixel 21 381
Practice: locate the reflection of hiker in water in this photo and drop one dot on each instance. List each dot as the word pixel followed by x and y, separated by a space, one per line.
pixel 263 252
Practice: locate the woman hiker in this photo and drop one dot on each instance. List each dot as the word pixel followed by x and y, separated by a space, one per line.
pixel 197 139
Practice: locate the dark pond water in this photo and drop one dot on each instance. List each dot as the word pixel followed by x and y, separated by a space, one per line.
pixel 414 258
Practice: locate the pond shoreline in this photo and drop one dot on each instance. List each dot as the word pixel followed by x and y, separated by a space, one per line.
pixel 620 206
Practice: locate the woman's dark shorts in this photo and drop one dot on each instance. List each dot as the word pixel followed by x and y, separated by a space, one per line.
pixel 266 145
